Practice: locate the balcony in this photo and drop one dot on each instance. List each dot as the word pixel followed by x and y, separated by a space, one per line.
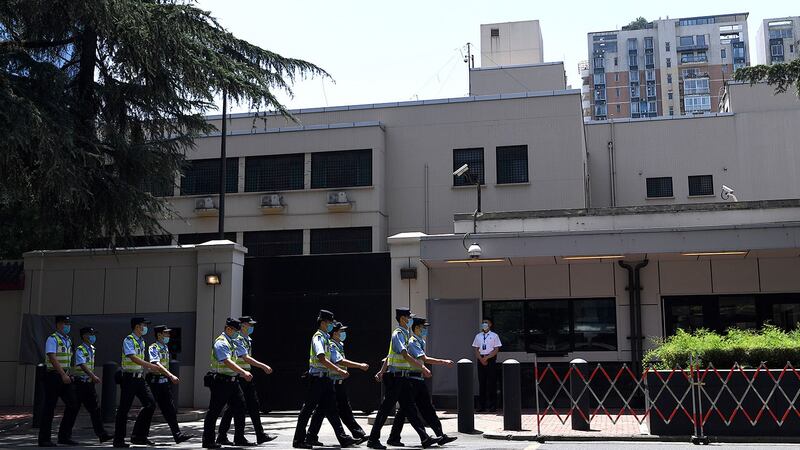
pixel 691 59
pixel 693 48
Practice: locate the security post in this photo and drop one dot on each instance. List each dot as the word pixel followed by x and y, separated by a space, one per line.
pixel 512 396
pixel 579 394
pixel 466 397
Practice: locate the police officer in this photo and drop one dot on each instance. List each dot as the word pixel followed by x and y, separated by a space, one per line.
pixel 58 383
pixel 320 384
pixel 396 386
pixel 158 354
pixel 132 384
pixel 224 386
pixel 419 389
pixel 85 379
pixel 338 336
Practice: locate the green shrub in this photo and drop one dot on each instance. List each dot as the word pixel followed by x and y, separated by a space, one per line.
pixel 748 348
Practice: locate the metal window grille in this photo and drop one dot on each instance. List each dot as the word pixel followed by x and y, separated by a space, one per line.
pixel 341 169
pixel 659 187
pixel 341 240
pixel 273 173
pixel 201 176
pixel 199 238
pixel 701 185
pixel 495 32
pixel 472 157
pixel 273 243
pixel 512 164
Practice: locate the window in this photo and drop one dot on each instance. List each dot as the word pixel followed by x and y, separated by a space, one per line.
pixel 776 49
pixel 273 243
pixel 508 318
pixel 697 103
pixel 648 43
pixel 201 176
pixel 669 95
pixel 616 76
pixel 723 53
pixel 618 108
pixel 599 95
pixel 690 73
pixel 700 40
pixel 632 45
pixel 669 78
pixel 791 48
pixel 199 238
pixel 720 312
pixel 650 75
pixel 512 164
pixel 649 60
pixel 634 76
pixel 474 158
pixel 599 78
pixel 617 92
pixel 738 50
pixel 274 173
pixel 598 62
pixel 341 240
pixel 696 21
pixel 159 188
pixel 671 110
pixel 660 187
pixel 686 41
pixel 616 61
pixel 599 111
pixel 651 90
pixel 494 32
pixel 669 62
pixel 780 31
pixel 666 46
pixel 341 169
pixel 594 325
pixel 634 92
pixel 634 107
pixel 695 86
pixel 632 61
pixel 701 185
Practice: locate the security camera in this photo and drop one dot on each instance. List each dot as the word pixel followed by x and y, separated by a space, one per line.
pixel 461 170
pixel 474 251
pixel 727 193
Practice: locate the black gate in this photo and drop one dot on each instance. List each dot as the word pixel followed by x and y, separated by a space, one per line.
pixel 285 293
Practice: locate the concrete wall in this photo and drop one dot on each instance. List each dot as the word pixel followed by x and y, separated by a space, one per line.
pixel 517 43
pixel 10 322
pixel 524 78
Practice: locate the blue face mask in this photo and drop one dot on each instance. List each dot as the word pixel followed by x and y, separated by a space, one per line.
pixel 484 326
pixel 166 340
pixel 144 330
pixel 329 328
pixel 250 330
pixel 424 332
pixel 67 329
pixel 92 339
pixel 343 336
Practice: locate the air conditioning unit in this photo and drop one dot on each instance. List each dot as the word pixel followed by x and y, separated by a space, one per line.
pixel 272 204
pixel 339 201
pixel 205 207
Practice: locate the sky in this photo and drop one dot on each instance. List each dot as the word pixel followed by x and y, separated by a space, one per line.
pixel 405 50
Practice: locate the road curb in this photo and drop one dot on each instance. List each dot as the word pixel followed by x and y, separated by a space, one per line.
pixel 517 436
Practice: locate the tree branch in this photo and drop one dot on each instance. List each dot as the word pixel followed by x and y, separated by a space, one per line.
pixel 38 44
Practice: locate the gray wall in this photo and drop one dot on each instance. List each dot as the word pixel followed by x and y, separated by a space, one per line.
pixel 524 78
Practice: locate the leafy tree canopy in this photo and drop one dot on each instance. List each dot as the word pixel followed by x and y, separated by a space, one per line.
pixel 100 100
pixel 639 23
pixel 781 75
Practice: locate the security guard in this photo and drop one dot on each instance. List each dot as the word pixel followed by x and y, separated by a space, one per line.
pixel 58 383
pixel 419 389
pixel 248 389
pixel 396 386
pixel 132 385
pixel 222 382
pixel 320 385
pixel 158 354
pixel 85 379
pixel 338 336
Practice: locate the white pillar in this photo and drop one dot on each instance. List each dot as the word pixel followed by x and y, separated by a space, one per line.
pixel 404 250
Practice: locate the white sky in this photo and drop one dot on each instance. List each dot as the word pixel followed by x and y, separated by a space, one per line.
pixel 402 50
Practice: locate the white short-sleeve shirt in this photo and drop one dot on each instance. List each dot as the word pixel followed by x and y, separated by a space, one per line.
pixel 486 342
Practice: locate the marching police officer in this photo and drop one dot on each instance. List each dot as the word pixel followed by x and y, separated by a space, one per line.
pixel 85 379
pixel 58 383
pixel 158 354
pixel 222 382
pixel 248 389
pixel 396 386
pixel 132 384
pixel 320 384
pixel 419 389
pixel 338 336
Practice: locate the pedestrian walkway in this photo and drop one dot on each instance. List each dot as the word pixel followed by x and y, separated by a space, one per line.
pixel 601 427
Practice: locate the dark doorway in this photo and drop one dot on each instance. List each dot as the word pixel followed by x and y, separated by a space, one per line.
pixel 285 293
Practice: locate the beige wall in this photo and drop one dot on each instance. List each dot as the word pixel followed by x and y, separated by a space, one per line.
pixel 525 78
pixel 517 43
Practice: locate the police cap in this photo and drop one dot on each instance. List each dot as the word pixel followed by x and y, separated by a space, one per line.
pixel 137 320
pixel 161 329
pixel 63 319
pixel 324 314
pixel 400 312
pixel 87 330
pixel 416 321
pixel 338 326
pixel 247 319
pixel 233 323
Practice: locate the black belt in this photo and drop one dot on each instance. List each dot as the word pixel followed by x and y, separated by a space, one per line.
pixel 319 375
pixel 406 374
pixel 133 374
pixel 225 378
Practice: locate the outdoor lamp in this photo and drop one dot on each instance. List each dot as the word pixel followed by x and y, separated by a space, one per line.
pixel 213 279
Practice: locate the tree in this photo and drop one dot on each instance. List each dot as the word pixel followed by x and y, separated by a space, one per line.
pixel 781 75
pixel 100 100
pixel 639 23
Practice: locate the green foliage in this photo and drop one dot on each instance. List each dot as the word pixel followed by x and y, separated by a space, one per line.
pixel 781 75
pixel 639 23
pixel 748 348
pixel 100 99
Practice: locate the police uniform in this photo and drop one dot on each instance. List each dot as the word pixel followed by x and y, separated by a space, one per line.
pixel 84 385
pixel 60 345
pixel 224 386
pixel 132 385
pixel 320 391
pixel 397 388
pixel 342 402
pixel 160 385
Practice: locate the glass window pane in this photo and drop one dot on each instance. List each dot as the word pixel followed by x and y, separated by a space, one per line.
pixel 595 326
pixel 472 157
pixel 274 173
pixel 786 315
pixel 686 316
pixel 547 323
pixel 201 176
pixel 273 243
pixel 737 312
pixel 512 163
pixel 508 323
pixel 341 169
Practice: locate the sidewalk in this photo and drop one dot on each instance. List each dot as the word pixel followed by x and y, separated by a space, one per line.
pixel 12 417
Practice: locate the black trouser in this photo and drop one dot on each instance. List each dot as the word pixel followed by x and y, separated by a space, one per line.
pixel 87 396
pixel 131 387
pixel 54 389
pixel 320 394
pixel 162 392
pixel 345 414
pixel 225 390
pixel 251 405
pixel 487 384
pixel 397 389
pixel 422 399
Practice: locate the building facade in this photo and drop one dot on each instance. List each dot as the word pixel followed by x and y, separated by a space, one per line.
pixel 777 40
pixel 511 43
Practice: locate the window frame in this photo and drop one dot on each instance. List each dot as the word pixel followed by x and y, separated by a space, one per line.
pixel 211 186
pixel 523 149
pixel 256 249
pixel 654 180
pixel 701 181
pixel 323 247
pixel 324 177
pixel 284 163
pixel 474 165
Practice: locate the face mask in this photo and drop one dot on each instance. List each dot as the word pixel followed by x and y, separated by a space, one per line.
pixel 424 332
pixel 67 329
pixel 166 340
pixel 343 336
pixel 92 339
pixel 485 326
pixel 250 330
pixel 144 330
pixel 329 328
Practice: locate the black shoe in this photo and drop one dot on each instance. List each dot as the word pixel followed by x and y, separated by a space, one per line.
pixel 68 442
pixel 301 445
pixel 182 437
pixel 376 444
pixel 430 441
pixel 143 441
pixel 394 443
pixel 265 438
pixel 105 438
pixel 223 440
pixel 243 443
pixel 212 445
pixel 121 444
pixel 444 439
pixel 314 442
pixel 47 444
pixel 361 439
pixel 347 441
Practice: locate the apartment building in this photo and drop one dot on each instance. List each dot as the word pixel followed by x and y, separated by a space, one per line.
pixel 777 40
pixel 668 67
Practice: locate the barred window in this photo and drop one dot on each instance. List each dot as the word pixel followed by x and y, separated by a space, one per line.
pixel 659 187
pixel 199 238
pixel 273 173
pixel 341 169
pixel 512 164
pixel 473 157
pixel 274 243
pixel 701 185
pixel 201 176
pixel 341 240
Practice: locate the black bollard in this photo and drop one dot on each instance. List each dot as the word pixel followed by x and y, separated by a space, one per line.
pixel 175 369
pixel 577 387
pixel 38 395
pixel 108 397
pixel 466 398
pixel 512 396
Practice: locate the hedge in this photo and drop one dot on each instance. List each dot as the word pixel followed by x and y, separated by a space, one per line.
pixel 748 348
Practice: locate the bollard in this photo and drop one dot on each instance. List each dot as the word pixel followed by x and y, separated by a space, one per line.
pixel 108 397
pixel 466 398
pixel 577 387
pixel 512 396
pixel 38 395
pixel 175 369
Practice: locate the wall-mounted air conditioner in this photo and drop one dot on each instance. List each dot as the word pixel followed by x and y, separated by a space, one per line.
pixel 205 207
pixel 272 204
pixel 339 201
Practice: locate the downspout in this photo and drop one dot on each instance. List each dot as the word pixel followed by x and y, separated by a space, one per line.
pixel 612 167
pixel 634 289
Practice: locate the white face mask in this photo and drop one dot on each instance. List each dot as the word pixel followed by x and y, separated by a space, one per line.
pixel 484 326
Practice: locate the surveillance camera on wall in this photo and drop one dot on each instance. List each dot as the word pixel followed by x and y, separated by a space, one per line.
pixel 727 193
pixel 474 251
pixel 461 170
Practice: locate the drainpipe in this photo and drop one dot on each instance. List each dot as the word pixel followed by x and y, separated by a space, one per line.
pixel 635 300
pixel 612 166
